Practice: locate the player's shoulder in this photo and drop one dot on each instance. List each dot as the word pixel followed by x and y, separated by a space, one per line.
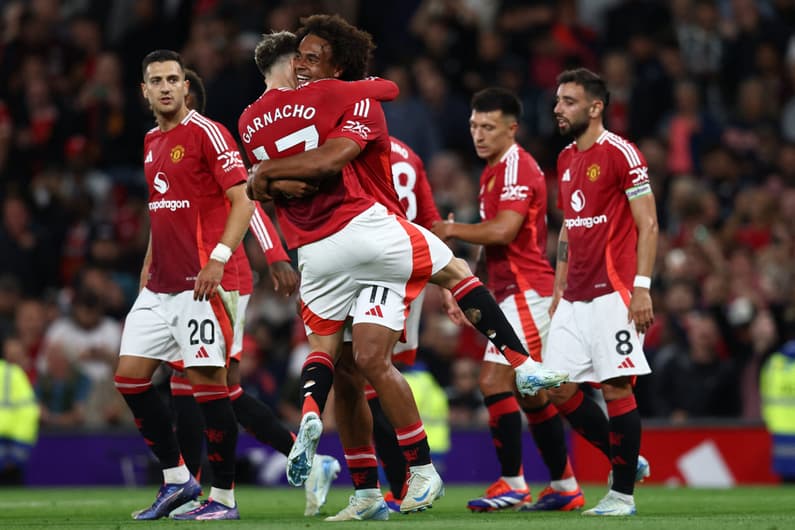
pixel 401 150
pixel 619 147
pixel 567 151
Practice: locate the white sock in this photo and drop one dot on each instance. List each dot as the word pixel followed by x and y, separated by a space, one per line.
pixel 516 483
pixel 369 492
pixel 629 499
pixel 564 484
pixel 225 497
pixel 176 475
pixel 426 468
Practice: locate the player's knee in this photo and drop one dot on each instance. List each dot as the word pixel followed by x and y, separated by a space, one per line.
pixel 563 393
pixel 492 380
pixel 455 271
pixel 372 360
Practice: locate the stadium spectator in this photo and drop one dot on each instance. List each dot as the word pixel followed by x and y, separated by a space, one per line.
pixel 62 389
pixel 19 415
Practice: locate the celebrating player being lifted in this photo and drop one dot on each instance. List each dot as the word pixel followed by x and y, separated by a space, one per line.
pixel 350 264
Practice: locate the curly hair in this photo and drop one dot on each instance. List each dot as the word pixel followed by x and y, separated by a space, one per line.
pixel 351 48
pixel 273 47
pixel 197 90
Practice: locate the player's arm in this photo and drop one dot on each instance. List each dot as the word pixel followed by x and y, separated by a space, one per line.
pixel 145 267
pixel 237 223
pixel 500 230
pixel 644 212
pixel 561 268
pixel 283 275
pixel 323 162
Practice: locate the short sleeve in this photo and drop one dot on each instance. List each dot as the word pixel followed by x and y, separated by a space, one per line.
pixel 362 122
pixel 221 153
pixel 630 165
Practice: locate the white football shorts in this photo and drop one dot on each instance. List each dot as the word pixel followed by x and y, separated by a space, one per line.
pixel 174 328
pixel 374 249
pixel 529 317
pixel 240 326
pixel 593 341
pixel 378 306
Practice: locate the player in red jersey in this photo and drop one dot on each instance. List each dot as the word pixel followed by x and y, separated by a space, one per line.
pixel 254 415
pixel 601 306
pixel 199 214
pixel 361 146
pixel 320 247
pixel 410 182
pixel 513 232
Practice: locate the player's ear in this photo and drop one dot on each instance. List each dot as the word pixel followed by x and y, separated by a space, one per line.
pixel 596 108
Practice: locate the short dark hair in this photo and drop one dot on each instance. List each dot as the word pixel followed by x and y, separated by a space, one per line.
pixel 161 56
pixel 197 90
pixel 273 47
pixel 351 48
pixel 594 85
pixel 495 98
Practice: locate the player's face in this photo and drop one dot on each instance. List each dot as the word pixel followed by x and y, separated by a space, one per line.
pixel 314 60
pixel 572 107
pixel 492 133
pixel 164 87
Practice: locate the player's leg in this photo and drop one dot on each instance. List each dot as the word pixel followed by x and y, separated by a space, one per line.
pixel 510 491
pixel 146 342
pixel 482 311
pixel 204 332
pixel 388 451
pixel 373 345
pixel 615 355
pixel 354 424
pixel 189 422
pixel 386 445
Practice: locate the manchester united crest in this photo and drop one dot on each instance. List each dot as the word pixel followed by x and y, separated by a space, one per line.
pixel 177 153
pixel 593 172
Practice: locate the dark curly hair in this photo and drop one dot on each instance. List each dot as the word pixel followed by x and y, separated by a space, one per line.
pixel 196 90
pixel 351 48
pixel 272 47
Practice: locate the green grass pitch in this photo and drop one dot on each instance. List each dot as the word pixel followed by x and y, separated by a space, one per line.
pixel 754 508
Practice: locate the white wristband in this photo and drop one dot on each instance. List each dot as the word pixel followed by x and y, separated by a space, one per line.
pixel 221 253
pixel 642 281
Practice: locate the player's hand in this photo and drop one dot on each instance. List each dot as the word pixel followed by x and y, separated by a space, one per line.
pixel 640 310
pixel 293 188
pixel 453 310
pixel 208 280
pixel 442 229
pixel 284 277
pixel 257 188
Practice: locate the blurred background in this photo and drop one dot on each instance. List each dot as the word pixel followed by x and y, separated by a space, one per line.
pixel 705 88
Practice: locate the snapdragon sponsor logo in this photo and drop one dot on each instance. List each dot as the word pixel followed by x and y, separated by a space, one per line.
pixel 587 222
pixel 165 204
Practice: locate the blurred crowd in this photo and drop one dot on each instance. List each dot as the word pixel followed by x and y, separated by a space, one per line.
pixel 706 88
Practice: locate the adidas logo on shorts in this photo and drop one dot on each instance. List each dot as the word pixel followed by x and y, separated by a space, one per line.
pixel 202 354
pixel 375 312
pixel 627 363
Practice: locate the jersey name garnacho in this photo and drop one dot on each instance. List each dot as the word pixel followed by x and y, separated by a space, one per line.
pixel 287 122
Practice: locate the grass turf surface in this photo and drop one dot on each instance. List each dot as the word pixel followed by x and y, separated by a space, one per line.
pixel 757 508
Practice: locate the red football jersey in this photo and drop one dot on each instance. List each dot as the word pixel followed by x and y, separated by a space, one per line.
pixel 595 187
pixel 411 184
pixel 188 170
pixel 286 122
pixel 268 238
pixel 517 183
pixel 365 123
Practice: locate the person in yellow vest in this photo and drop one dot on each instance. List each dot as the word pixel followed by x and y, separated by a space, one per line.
pixel 777 388
pixel 432 403
pixel 19 417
